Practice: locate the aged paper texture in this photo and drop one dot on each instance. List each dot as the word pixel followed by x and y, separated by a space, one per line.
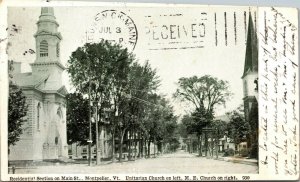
pixel 154 92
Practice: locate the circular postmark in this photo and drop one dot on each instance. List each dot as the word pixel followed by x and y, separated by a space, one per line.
pixel 113 26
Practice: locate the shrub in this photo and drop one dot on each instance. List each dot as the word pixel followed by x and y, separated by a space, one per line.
pixel 244 152
pixel 254 151
pixel 228 152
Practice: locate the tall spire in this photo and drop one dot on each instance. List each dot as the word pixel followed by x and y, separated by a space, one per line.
pixel 47 11
pixel 47 20
pixel 47 37
pixel 251 58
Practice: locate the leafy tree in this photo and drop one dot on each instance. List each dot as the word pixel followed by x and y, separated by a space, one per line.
pixel 160 123
pixel 78 119
pixel 238 128
pixel 119 94
pixel 219 129
pixel 171 134
pixel 153 125
pixel 195 122
pixel 187 124
pixel 126 88
pixel 204 93
pixel 102 69
pixel 174 144
pixel 17 109
pixel 143 81
pixel 182 129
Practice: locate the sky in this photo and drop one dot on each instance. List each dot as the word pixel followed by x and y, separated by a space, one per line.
pixel 189 45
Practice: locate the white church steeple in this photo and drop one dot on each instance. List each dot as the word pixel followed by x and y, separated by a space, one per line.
pixel 47 37
pixel 47 64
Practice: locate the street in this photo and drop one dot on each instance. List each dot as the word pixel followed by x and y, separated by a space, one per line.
pixel 180 162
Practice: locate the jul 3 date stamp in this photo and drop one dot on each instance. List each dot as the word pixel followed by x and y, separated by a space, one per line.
pixel 113 26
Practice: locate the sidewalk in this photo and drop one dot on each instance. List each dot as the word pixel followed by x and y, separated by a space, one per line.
pixel 241 160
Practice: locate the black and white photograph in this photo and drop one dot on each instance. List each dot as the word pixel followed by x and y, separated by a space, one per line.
pixel 150 92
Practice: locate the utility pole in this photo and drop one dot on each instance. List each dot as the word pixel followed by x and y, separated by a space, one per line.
pixel 90 125
pixel 97 137
pixel 90 117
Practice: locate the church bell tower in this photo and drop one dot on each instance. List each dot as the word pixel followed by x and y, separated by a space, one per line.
pixel 250 74
pixel 250 83
pixel 47 38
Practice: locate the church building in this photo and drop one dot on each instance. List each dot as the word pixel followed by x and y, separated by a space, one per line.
pixel 44 133
pixel 250 84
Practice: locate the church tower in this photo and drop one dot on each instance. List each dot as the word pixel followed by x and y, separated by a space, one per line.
pixel 250 81
pixel 47 40
pixel 250 74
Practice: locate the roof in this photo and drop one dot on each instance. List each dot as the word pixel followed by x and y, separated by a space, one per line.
pixel 223 118
pixel 63 90
pixel 36 82
pixel 251 57
pixel 27 79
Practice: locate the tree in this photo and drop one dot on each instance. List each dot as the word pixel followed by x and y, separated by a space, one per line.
pixel 17 110
pixel 78 119
pixel 171 133
pixel 142 81
pixel 152 123
pixel 204 93
pixel 174 144
pixel 101 69
pixel 238 128
pixel 118 83
pixel 219 129
pixel 120 94
pixel 160 123
pixel 195 122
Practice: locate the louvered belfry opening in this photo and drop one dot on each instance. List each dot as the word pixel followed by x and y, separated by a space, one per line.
pixel 44 48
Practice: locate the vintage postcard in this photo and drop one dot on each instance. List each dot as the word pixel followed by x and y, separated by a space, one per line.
pixel 154 92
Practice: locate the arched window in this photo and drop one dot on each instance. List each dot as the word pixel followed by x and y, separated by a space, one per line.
pixel 57 50
pixel 44 48
pixel 38 116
